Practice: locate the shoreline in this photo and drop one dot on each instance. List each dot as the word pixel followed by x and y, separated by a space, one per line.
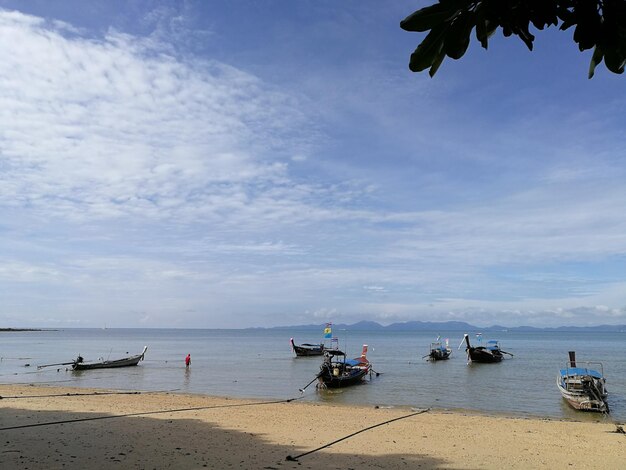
pixel 578 416
pixel 171 430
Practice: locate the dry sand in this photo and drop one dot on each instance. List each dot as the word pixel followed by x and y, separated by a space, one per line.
pixel 144 431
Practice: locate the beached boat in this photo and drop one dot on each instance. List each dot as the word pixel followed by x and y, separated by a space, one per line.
pixel 484 354
pixel 584 388
pixel 439 351
pixel 336 371
pixel 80 364
pixel 306 349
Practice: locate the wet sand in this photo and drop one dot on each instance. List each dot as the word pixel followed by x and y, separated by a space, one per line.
pixel 51 428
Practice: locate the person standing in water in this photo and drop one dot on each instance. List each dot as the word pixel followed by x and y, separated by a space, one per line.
pixel 188 361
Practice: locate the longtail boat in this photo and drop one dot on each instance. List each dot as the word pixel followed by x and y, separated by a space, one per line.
pixel 484 354
pixel 80 364
pixel 336 371
pixel 308 349
pixel 438 351
pixel 584 388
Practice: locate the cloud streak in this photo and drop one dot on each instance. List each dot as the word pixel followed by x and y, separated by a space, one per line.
pixel 112 127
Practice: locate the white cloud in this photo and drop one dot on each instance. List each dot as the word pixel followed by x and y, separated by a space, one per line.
pixel 18 271
pixel 110 128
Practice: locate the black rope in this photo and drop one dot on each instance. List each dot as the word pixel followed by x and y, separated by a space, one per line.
pixel 145 413
pixel 68 395
pixel 295 459
pixel 41 382
pixel 88 394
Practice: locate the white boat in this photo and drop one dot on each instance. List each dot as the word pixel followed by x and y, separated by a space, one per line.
pixel 584 388
pixel 438 351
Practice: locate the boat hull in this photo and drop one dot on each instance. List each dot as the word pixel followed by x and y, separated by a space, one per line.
pixel 124 362
pixel 305 350
pixel 128 362
pixel 583 398
pixel 337 372
pixel 345 379
pixel 483 355
pixel 439 355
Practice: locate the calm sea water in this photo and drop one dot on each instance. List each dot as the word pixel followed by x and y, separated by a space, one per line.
pixel 260 364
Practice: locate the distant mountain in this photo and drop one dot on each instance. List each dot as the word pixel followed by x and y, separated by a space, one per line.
pixel 431 326
pixel 364 325
pixel 598 328
pixel 448 326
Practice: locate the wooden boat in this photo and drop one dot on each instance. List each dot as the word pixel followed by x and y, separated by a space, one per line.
pixel 484 354
pixel 306 349
pixel 439 351
pixel 584 388
pixel 336 371
pixel 79 363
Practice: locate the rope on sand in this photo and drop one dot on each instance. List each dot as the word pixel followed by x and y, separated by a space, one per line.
pixel 295 459
pixel 130 392
pixel 146 413
pixel 68 395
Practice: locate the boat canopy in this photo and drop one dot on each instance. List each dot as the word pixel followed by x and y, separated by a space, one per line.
pixel 334 352
pixel 580 371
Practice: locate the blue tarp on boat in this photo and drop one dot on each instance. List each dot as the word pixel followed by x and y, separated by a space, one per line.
pixel 581 371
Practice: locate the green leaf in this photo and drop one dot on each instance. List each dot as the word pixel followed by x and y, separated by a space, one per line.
pixel 484 30
pixel 595 60
pixel 436 63
pixel 568 21
pixel 524 35
pixel 587 31
pixel 427 18
pixel 614 61
pixel 427 52
pixel 457 38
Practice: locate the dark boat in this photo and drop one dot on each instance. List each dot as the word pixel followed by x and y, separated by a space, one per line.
pixel 306 349
pixel 336 371
pixel 79 363
pixel 583 387
pixel 484 354
pixel 439 352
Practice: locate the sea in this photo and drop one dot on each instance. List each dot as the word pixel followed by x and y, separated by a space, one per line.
pixel 259 364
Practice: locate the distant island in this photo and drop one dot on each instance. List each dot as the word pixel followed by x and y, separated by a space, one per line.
pixel 21 329
pixel 450 326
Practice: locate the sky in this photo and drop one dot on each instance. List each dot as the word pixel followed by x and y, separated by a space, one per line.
pixel 231 164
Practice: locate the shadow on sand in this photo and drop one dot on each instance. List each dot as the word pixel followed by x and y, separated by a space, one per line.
pixel 156 443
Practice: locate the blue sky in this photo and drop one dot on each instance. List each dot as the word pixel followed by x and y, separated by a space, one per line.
pixel 242 163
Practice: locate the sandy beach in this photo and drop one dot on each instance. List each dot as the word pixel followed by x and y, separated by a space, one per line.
pixel 53 427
